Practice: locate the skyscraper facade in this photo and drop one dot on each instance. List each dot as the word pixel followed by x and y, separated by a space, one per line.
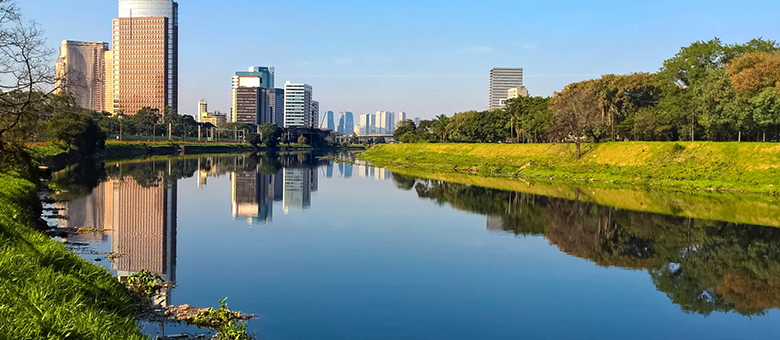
pixel 501 80
pixel 297 105
pixel 367 124
pixel 329 121
pixel 247 102
pixel 145 55
pixel 341 128
pixel 203 109
pixel 401 117
pixel 384 123
pixel 315 114
pixel 81 71
pixel 255 76
pixel 349 123
pixel 274 105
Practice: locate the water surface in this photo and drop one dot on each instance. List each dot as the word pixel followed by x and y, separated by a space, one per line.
pixel 332 250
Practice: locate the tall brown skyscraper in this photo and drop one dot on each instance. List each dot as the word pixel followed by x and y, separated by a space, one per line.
pixel 81 71
pixel 145 56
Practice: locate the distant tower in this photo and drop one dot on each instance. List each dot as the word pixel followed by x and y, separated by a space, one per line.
pixel 341 129
pixel 349 123
pixel 203 108
pixel 81 71
pixel 329 121
pixel 501 80
pixel 314 120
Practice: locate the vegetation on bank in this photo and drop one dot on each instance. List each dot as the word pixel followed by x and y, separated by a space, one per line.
pixel 46 291
pixel 740 167
pixel 709 91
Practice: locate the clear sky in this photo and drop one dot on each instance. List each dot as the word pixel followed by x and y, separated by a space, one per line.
pixel 425 57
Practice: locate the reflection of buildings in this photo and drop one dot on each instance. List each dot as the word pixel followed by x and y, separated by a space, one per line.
pixel 86 212
pixel 141 222
pixel 297 188
pixel 143 227
pixel 252 196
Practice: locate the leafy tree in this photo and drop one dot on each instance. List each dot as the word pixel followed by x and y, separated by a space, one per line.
pixel 76 127
pixel 575 112
pixel 253 138
pixel 439 127
pixel 270 134
pixel 302 139
pixel 404 127
pixel 380 140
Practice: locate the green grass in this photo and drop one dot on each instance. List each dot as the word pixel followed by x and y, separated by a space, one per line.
pixel 46 150
pixel 733 167
pixel 46 291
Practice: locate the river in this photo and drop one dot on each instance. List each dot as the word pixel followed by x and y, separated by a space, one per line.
pixel 324 248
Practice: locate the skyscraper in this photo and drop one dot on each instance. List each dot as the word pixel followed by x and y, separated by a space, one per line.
pixel 329 121
pixel 274 105
pixel 81 71
pixel 367 124
pixel 145 56
pixel 349 123
pixel 247 102
pixel 297 105
pixel 501 80
pixel 341 128
pixel 384 122
pixel 315 114
pixel 401 117
pixel 255 76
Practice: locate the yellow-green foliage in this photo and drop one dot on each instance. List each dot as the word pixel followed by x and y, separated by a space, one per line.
pixel 47 292
pixel 745 167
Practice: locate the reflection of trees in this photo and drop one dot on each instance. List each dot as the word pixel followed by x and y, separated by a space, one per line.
pixel 703 266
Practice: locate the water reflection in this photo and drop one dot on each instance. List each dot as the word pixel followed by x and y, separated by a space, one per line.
pixel 702 266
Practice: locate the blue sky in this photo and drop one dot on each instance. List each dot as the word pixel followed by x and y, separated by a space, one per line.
pixel 422 57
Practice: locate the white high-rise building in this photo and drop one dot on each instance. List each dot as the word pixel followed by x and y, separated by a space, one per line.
pixel 385 122
pixel 297 105
pixel 367 124
pixel 401 117
pixel 501 80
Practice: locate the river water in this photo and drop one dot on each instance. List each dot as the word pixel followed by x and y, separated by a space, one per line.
pixel 325 249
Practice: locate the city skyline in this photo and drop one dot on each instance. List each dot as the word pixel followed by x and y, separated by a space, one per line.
pixel 432 64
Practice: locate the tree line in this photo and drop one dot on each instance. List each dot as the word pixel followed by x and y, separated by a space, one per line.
pixel 709 91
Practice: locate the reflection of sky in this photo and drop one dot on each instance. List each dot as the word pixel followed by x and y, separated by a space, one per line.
pixel 370 261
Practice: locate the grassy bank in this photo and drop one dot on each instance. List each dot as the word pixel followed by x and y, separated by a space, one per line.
pixel 46 291
pixel 735 167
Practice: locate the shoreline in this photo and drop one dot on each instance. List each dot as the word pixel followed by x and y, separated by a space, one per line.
pixel 744 168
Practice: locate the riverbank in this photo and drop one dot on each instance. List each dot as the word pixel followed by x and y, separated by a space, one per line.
pixel 672 166
pixel 46 291
pixel 116 150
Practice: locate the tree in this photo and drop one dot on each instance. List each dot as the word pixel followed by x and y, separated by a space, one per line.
pixel 404 127
pixel 302 139
pixel 575 111
pixel 76 127
pixel 440 127
pixel 380 140
pixel 270 134
pixel 751 73
pixel 253 138
pixel 25 77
